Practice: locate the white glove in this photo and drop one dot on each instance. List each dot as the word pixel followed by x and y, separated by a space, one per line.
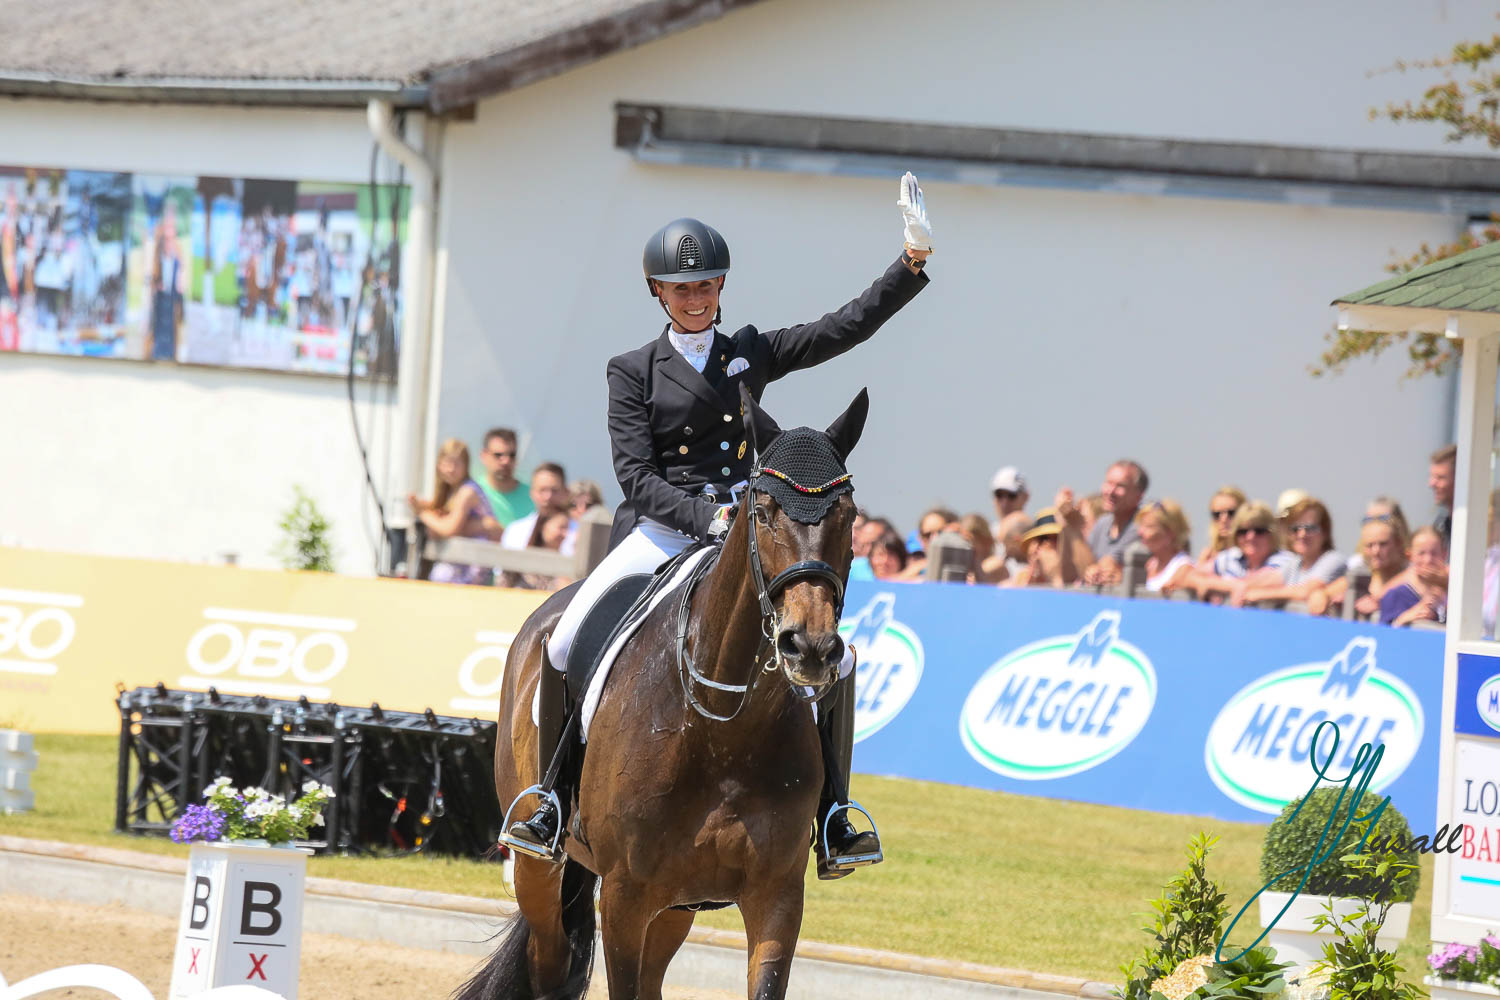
pixel 914 211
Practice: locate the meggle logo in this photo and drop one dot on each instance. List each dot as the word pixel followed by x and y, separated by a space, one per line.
pixel 35 629
pixel 481 675
pixel 244 651
pixel 1061 705
pixel 1488 702
pixel 889 665
pixel 1257 747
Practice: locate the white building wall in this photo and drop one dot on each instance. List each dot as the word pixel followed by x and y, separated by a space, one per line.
pixel 175 461
pixel 1062 329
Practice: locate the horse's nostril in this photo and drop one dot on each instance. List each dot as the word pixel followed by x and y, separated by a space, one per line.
pixel 788 646
pixel 830 648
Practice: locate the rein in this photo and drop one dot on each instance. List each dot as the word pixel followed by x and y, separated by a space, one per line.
pixel 770 621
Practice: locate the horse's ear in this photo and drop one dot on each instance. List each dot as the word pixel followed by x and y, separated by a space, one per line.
pixel 760 429
pixel 844 432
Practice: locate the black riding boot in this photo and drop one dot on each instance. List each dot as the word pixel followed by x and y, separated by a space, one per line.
pixel 846 848
pixel 538 835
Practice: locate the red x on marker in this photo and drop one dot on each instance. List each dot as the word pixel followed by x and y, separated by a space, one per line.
pixel 193 965
pixel 255 966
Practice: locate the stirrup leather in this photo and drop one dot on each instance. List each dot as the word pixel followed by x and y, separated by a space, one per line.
pixel 848 862
pixel 552 853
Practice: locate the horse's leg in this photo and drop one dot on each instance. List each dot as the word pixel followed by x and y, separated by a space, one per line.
pixel 773 917
pixel 663 938
pixel 625 916
pixel 539 895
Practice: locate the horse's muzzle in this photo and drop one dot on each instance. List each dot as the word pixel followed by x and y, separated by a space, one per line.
pixel 809 659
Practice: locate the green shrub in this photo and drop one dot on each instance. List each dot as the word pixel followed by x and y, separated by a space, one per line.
pixel 1358 968
pixel 1290 845
pixel 1189 917
pixel 304 536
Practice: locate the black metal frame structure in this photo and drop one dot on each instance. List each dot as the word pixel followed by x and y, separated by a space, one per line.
pixel 402 781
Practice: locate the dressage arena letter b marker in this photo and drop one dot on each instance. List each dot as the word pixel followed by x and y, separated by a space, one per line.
pixel 251 907
pixel 202 887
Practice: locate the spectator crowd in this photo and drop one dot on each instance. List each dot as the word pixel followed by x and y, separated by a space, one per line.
pixel 1256 554
pixel 488 501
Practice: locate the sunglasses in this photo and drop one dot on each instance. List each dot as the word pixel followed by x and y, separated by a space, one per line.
pixel 502 454
pixel 1377 519
pixel 1306 529
pixel 1006 494
pixel 1225 515
pixel 1251 531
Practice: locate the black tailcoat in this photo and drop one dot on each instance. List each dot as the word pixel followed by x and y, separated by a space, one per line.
pixel 674 431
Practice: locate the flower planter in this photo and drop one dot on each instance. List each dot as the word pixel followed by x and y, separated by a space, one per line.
pixel 241 920
pixel 1294 936
pixel 1457 989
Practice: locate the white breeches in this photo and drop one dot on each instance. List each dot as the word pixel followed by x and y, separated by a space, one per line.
pixel 646 547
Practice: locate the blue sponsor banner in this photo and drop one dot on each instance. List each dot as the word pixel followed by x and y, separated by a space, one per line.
pixel 1162 705
pixel 1476 708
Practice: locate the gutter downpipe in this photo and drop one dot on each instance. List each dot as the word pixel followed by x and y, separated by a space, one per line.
pixel 415 362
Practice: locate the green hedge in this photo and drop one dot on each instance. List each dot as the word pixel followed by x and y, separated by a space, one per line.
pixel 1289 845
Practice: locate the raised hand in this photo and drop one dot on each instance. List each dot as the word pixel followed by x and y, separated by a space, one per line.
pixel 914 212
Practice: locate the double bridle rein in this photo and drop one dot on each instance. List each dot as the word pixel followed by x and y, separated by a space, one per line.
pixel 770 620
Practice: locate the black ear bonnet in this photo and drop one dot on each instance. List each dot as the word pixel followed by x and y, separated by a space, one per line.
pixel 804 473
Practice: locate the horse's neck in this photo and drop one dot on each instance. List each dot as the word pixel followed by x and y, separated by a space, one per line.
pixel 728 613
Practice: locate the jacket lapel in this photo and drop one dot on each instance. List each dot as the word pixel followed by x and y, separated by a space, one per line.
pixel 676 368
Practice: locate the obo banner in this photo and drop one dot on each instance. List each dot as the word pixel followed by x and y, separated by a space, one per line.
pixel 72 627
pixel 1161 705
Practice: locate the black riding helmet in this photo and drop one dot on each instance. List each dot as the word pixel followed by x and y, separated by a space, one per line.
pixel 684 250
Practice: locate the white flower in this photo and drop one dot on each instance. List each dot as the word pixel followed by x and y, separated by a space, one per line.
pixel 221 782
pixel 318 820
pixel 310 786
pixel 262 807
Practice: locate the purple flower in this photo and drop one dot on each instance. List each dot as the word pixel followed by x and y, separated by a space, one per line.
pixel 198 823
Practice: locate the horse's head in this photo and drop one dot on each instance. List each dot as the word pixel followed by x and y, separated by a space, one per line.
pixel 800 514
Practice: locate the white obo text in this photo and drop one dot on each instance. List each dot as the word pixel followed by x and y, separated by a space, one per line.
pixel 35 629
pixel 242 650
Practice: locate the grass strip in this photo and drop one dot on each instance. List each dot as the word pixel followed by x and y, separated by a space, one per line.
pixel 989 877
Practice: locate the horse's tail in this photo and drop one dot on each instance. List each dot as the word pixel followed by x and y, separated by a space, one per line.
pixel 506 976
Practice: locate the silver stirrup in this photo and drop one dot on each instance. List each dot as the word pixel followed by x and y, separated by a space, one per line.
pixel 846 862
pixel 526 847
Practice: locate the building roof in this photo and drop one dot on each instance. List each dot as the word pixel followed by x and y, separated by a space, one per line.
pixel 439 54
pixel 1458 296
pixel 1469 282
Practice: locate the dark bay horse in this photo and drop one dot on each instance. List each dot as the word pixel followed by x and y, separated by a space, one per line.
pixel 681 805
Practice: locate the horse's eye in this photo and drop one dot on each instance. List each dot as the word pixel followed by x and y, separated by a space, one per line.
pixel 763 516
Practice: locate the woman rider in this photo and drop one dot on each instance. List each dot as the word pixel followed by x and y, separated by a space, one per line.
pixel 680 454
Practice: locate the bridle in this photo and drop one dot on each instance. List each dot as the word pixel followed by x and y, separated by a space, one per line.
pixel 770 619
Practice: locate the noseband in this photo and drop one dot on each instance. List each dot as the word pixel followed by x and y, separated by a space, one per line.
pixel 770 620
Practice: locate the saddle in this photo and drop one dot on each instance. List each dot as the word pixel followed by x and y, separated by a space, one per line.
pixel 619 609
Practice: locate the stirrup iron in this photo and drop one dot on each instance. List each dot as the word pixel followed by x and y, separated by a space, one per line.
pixel 849 862
pixel 526 847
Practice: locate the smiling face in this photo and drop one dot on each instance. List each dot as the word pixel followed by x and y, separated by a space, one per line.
pixel 691 304
pixel 1121 492
pixel 1157 536
pixel 1256 542
pixel 1440 480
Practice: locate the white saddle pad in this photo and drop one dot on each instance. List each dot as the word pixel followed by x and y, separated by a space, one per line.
pixel 596 683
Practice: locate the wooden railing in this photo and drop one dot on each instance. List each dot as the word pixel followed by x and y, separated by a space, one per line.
pixel 589 548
